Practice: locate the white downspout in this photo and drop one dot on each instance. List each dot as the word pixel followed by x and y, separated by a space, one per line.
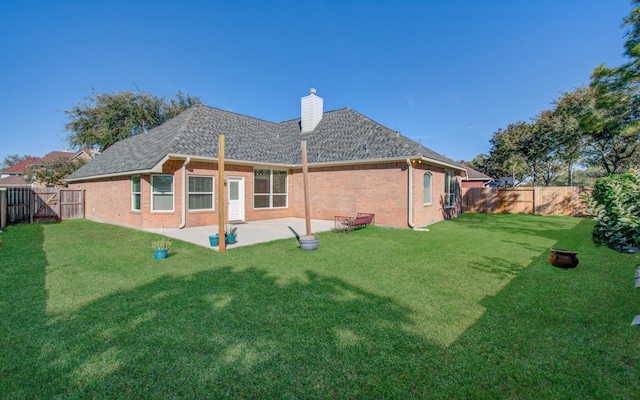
pixel 184 193
pixel 410 196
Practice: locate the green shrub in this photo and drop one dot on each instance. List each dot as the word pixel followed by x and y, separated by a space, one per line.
pixel 614 205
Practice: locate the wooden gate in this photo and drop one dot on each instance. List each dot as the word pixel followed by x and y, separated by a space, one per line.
pixel 44 204
pixel 18 205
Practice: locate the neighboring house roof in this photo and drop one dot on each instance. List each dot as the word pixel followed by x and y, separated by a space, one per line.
pixel 13 181
pixel 473 175
pixel 54 155
pixel 342 135
pixel 83 154
pixel 20 168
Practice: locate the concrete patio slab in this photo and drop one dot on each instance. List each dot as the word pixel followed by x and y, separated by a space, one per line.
pixel 248 233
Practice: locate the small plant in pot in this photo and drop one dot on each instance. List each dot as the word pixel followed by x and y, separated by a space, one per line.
pixel 161 248
pixel 229 236
pixel 230 233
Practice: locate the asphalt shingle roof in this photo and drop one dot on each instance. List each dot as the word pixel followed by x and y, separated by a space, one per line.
pixel 13 181
pixel 21 167
pixel 55 155
pixel 341 136
pixel 473 175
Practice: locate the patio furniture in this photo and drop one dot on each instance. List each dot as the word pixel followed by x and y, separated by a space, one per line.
pixel 348 224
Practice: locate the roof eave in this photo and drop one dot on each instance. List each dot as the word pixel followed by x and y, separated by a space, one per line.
pixel 445 164
pixel 174 156
pixel 387 160
pixel 114 175
pixel 157 168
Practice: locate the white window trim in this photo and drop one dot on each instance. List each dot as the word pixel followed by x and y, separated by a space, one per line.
pixel 430 189
pixel 271 193
pixel 153 193
pixel 450 189
pixel 134 193
pixel 213 189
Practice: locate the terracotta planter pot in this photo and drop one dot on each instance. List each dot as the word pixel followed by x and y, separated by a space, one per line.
pixel 562 258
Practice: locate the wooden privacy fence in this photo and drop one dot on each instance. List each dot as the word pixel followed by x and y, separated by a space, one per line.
pixel 3 207
pixel 561 200
pixel 40 204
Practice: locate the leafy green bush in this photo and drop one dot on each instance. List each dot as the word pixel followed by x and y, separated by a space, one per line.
pixel 615 205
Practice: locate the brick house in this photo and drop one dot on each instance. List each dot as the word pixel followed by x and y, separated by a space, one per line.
pixel 14 176
pixel 168 177
pixel 475 179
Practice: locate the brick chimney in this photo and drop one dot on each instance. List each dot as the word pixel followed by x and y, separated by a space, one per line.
pixel 311 111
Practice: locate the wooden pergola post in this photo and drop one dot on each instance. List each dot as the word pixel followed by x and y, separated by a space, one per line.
pixel 305 176
pixel 221 198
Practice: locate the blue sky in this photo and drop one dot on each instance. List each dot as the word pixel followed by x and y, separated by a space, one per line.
pixel 445 73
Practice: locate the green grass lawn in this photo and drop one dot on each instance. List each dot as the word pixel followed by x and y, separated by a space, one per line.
pixel 470 309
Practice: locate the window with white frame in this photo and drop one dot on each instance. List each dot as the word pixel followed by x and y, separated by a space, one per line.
pixel 135 193
pixel 450 183
pixel 201 193
pixel 269 188
pixel 162 193
pixel 427 187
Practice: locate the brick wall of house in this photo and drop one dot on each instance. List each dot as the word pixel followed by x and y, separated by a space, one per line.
pixel 473 184
pixel 426 214
pixel 199 218
pixel 379 188
pixel 109 200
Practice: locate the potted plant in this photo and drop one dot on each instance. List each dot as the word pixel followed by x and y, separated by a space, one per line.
pixel 161 248
pixel 229 236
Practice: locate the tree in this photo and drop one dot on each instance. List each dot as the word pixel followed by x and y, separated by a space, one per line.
pixel 613 119
pixel 485 164
pixel 505 152
pixel 537 149
pixel 541 148
pixel 597 126
pixel 102 119
pixel 609 119
pixel 569 136
pixel 54 172
pixel 630 71
pixel 13 159
pixel 586 177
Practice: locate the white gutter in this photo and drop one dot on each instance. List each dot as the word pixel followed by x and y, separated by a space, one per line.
pixel 173 156
pixel 157 169
pixel 410 203
pixel 384 160
pixel 312 165
pixel 117 175
pixel 184 193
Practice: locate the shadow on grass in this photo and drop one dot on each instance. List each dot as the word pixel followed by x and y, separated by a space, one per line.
pixel 551 332
pixel 235 333
pixel 497 266
pixel 518 224
pixel 22 310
